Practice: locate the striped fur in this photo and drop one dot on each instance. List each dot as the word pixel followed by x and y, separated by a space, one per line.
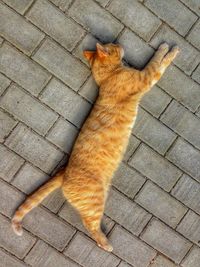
pixel 103 138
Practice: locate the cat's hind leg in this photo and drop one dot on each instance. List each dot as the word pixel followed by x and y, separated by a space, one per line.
pixel 88 199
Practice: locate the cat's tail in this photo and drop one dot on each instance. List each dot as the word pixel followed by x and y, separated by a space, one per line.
pixel 35 199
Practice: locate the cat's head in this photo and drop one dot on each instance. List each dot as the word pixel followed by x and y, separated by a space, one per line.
pixel 105 54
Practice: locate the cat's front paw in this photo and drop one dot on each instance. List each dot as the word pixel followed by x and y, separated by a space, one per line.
pixel 164 47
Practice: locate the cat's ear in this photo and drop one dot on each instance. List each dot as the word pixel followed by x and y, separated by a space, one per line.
pixel 88 54
pixel 101 50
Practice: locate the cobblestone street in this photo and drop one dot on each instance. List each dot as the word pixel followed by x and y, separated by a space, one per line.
pixel 152 215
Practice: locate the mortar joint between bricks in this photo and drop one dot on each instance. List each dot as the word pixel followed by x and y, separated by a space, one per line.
pixel 194 12
pixel 109 2
pixel 181 219
pixel 79 42
pixel 29 7
pixel 37 47
pixel 190 29
pixel 189 251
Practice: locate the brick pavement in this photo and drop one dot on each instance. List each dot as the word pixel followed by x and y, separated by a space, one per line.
pixel 152 215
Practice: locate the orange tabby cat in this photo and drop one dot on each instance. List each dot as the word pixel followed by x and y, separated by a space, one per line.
pixel 104 136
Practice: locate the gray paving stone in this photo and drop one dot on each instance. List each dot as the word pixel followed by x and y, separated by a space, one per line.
pixel 29 75
pixel 152 132
pixel 7 123
pixel 63 134
pixel 102 2
pixel 155 101
pixel 49 228
pixel 18 31
pixel 196 74
pixel 29 178
pixel 88 43
pixel 87 253
pixel 4 83
pixel 90 90
pixel 185 123
pixel 193 4
pixel 28 110
pixel 9 261
pixel 97 20
pixel 20 6
pixel 174 13
pixel 63 65
pixel 9 163
pixel 34 148
pixel 53 22
pixel 66 102
pixel 8 239
pixel 155 167
pixel 194 34
pixel 137 52
pixel 124 264
pixel 161 261
pixel 10 199
pixel 166 240
pixel 43 255
pixel 134 251
pixel 181 87
pixel 128 180
pixel 132 146
pixel 188 58
pixel 190 227
pixel 161 204
pixel 126 212
pixel 62 4
pixel 136 16
pixel 192 259
pixel 69 214
pixel 187 191
pixel 54 201
pixel 186 157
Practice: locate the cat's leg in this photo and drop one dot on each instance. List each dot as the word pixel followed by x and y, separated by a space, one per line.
pixel 93 225
pixel 89 200
pixel 158 64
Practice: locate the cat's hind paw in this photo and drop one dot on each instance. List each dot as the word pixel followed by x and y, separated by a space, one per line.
pixel 106 247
